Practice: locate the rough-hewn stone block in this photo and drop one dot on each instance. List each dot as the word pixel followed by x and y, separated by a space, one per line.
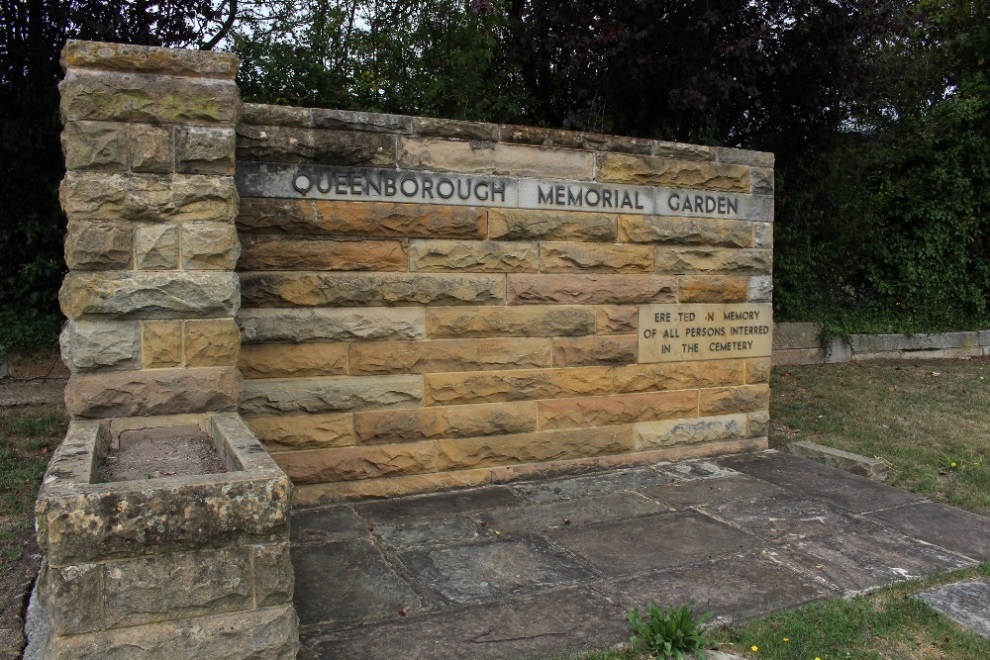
pixel 744 157
pixel 659 171
pixel 473 256
pixel 758 424
pixel 760 288
pixel 543 162
pixel 110 96
pixel 521 385
pixel 99 246
pixel 153 392
pixel 274 580
pixel 617 409
pixel 712 288
pixel 668 433
pixel 447 422
pixel 456 322
pixel 762 180
pixel 96 345
pixel 156 247
pixel 467 453
pixel 373 289
pixel 72 596
pixel 367 122
pixel 458 130
pixel 149 294
pixel 713 260
pixel 283 253
pixel 335 394
pixel 293 360
pixel 528 225
pixel 204 150
pixel 796 335
pixel 150 148
pixel 304 431
pixel 145 197
pixel 758 371
pixel 209 246
pixel 161 344
pixel 446 155
pixel 686 231
pixel 591 289
pixel 276 115
pixel 91 145
pixel 678 375
pixel 148 59
pixel 728 400
pixel 303 145
pixel 585 351
pixel 302 325
pixel 595 258
pixel 211 343
pixel 444 355
pixel 346 463
pixel 616 320
pixel 763 234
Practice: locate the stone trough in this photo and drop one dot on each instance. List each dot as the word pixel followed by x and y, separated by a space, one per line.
pixel 193 566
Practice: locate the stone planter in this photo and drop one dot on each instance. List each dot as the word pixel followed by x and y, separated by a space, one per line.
pixel 176 567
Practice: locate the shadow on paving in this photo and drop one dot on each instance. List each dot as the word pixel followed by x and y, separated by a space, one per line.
pixel 541 568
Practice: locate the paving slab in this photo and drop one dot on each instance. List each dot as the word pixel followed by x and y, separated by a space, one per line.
pixel 328 524
pixel 810 479
pixel 431 532
pixel 626 547
pixel 438 505
pixel 554 490
pixel 942 525
pixel 573 513
pixel 780 517
pixel 712 491
pixel 966 603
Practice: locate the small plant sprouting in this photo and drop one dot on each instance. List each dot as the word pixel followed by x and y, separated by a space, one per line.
pixel 674 632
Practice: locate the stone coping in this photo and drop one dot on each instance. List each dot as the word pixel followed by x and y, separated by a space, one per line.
pixel 81 520
pixel 148 59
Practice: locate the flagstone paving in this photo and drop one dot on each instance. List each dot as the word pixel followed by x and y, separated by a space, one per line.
pixel 542 568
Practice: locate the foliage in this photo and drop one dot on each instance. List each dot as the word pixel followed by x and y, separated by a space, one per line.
pixel 670 632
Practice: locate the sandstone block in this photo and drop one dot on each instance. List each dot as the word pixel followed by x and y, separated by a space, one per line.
pixel 368 122
pixel 276 216
pixel 517 385
pixel 744 157
pixel 153 392
pixel 444 355
pixel 670 433
pixel 713 260
pixel 372 289
pixel 283 253
pixel 762 180
pixel 595 258
pixel 760 288
pixel 334 394
pixel 98 345
pixel 316 494
pixel 111 96
pixel 554 137
pixel 303 145
pixel 448 422
pixel 302 325
pixel 91 145
pixel 680 150
pixel 472 256
pixel 293 360
pixel 536 447
pixel 586 351
pixel 274 580
pixel 678 375
pixel 161 344
pixel 212 343
pixel 763 234
pixel 156 247
pixel 150 148
pixel 659 171
pixel 591 289
pixel 458 130
pixel 544 162
pixel 276 115
pixel 149 294
pixel 98 246
pixel 146 197
pixel 204 150
pixel 528 225
pixel 148 59
pixel 712 288
pixel 617 409
pixel 446 155
pixel 177 585
pixel 72 596
pixel 209 246
pixel 616 320
pixel 456 322
pixel 303 431
pixel 685 231
pixel 758 371
pixel 758 424
pixel 312 466
pixel 796 335
pixel 728 400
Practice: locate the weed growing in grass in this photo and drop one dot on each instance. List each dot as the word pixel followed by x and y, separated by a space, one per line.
pixel 669 632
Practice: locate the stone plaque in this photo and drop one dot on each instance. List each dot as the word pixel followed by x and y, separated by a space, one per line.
pixel 681 333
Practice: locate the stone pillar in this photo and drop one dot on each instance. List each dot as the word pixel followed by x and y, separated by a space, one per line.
pixel 151 292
